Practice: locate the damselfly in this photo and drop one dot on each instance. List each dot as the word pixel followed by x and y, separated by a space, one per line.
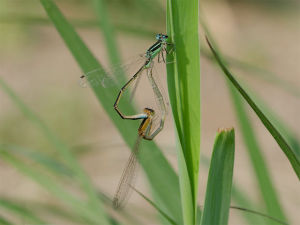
pixel 146 127
pixel 145 131
pixel 158 48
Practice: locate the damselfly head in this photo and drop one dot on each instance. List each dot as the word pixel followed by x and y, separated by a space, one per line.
pixel 161 37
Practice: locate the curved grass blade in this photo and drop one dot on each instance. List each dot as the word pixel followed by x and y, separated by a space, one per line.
pixel 161 176
pixel 32 20
pixel 62 149
pixel 40 158
pixel 266 187
pixel 259 214
pixel 4 221
pixel 261 73
pixel 258 73
pixel 267 123
pixel 56 211
pixel 285 130
pixel 163 214
pixel 218 190
pixel 20 211
pixel 53 187
pixel 108 33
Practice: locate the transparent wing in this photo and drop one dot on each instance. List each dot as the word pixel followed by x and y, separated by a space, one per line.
pixel 108 78
pixel 96 78
pixel 157 78
pixel 124 188
pixel 135 87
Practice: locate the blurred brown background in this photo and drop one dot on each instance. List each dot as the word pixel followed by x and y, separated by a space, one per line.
pixel 35 62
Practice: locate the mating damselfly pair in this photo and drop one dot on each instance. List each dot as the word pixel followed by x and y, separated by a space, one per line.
pixel 146 130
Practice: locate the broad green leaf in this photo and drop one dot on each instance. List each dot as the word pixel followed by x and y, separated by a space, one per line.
pixel 273 131
pixel 239 197
pixel 161 176
pixel 218 189
pixel 184 90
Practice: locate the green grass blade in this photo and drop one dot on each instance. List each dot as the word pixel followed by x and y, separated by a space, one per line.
pixel 161 176
pixel 242 199
pixel 239 197
pixel 184 89
pixel 273 131
pixel 20 211
pixel 53 187
pixel 162 213
pixel 57 211
pixel 218 190
pixel 31 20
pixel 283 128
pixel 48 162
pixel 259 73
pixel 62 149
pixel 258 162
pixel 270 218
pixel 109 37
pixel 267 188
pixel 4 221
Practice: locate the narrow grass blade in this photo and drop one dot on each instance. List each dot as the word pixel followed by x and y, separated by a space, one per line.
pixel 171 221
pixel 184 89
pixel 282 127
pixel 161 176
pixel 82 23
pixel 4 221
pixel 109 37
pixel 262 73
pixel 62 150
pixel 273 219
pixel 259 73
pixel 51 164
pixel 267 189
pixel 273 131
pixel 20 211
pixel 53 187
pixel 57 211
pixel 218 190
pixel 259 164
pixel 241 198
